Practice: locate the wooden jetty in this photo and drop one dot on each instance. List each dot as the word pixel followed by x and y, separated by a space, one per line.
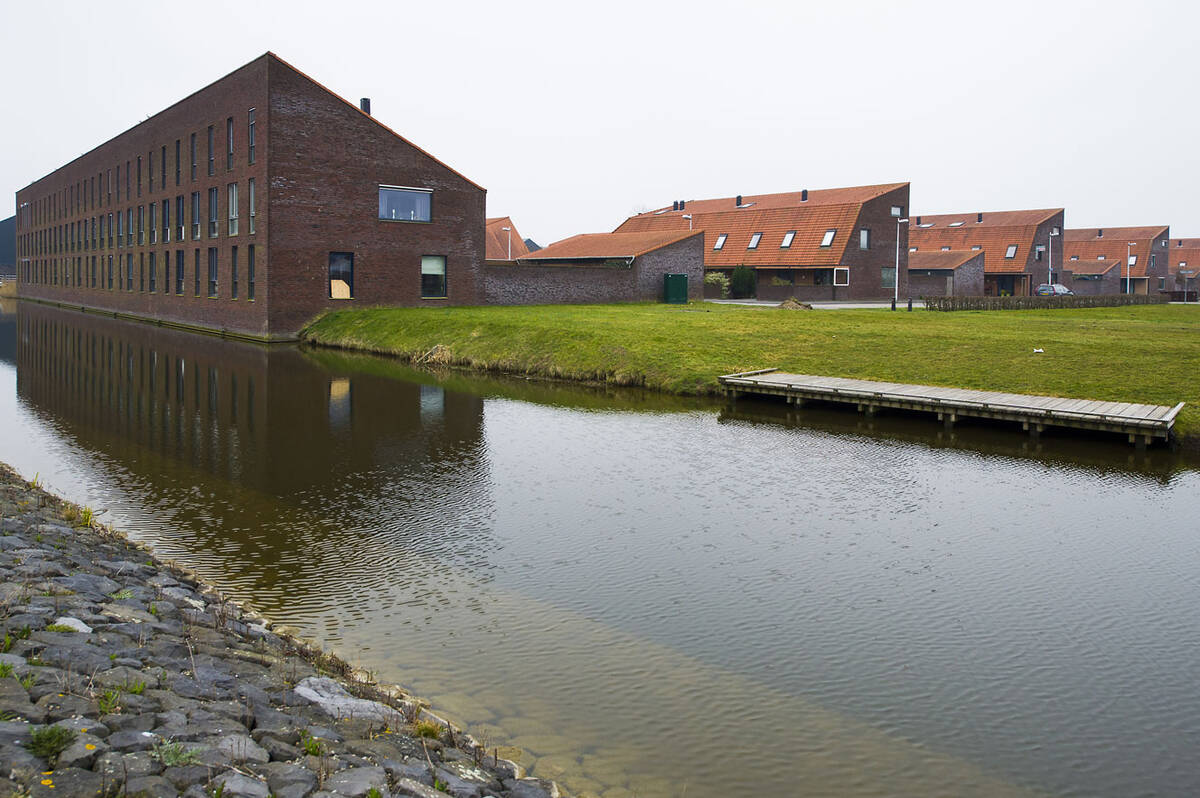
pixel 1142 423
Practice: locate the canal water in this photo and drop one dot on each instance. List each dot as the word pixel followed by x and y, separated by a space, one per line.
pixel 650 597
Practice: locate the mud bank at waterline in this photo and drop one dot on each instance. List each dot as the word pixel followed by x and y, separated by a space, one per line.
pixel 121 674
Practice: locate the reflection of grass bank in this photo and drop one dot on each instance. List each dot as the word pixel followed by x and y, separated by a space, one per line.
pixel 1136 354
pixel 8 289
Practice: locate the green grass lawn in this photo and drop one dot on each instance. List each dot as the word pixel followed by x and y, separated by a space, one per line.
pixel 1136 354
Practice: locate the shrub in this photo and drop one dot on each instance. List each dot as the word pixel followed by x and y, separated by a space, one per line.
pixel 742 284
pixel 48 742
pixel 718 280
pixel 947 303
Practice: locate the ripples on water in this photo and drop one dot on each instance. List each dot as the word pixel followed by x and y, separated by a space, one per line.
pixel 644 600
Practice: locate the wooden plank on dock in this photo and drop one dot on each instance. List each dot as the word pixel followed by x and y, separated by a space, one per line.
pixel 1138 420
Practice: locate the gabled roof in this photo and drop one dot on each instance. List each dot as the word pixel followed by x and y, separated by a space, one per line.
pixel 1184 250
pixel 998 231
pixel 496 239
pixel 1089 243
pixel 1090 266
pixel 941 260
pixel 772 215
pixel 604 246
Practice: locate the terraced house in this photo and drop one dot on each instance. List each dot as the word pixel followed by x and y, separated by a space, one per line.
pixel 1142 251
pixel 825 244
pixel 1019 247
pixel 247 208
pixel 1184 266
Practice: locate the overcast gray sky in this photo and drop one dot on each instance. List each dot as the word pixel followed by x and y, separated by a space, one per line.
pixel 574 116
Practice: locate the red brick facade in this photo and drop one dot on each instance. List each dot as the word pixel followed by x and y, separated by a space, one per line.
pixel 317 165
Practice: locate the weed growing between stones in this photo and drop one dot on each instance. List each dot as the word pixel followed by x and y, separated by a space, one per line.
pixel 109 702
pixel 48 742
pixel 172 754
pixel 61 627
pixel 311 745
pixel 6 670
pixel 121 595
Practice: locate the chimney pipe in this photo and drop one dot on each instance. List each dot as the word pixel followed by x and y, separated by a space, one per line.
pixel 1100 233
pixel 804 195
pixel 365 105
pixel 675 205
pixel 918 221
pixel 682 204
pixel 978 218
pixel 739 200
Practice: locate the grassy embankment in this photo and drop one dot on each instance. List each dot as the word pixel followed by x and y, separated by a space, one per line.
pixel 1134 354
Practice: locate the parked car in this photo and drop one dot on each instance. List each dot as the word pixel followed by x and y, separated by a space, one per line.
pixel 1054 289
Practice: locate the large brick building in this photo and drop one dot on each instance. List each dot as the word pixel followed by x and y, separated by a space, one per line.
pixel 249 207
pixel 830 244
pixel 1019 247
pixel 1184 266
pixel 1142 251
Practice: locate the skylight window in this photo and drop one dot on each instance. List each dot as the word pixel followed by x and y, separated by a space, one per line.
pixel 720 241
pixel 827 239
pixel 1074 257
pixel 787 239
pixel 1099 257
pixel 1183 264
pixel 754 239
pixel 912 249
pixel 1011 252
pixel 1133 260
pixel 976 248
pixel 927 224
pixel 956 224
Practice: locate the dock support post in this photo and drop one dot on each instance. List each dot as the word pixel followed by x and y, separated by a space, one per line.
pixel 948 419
pixel 1034 428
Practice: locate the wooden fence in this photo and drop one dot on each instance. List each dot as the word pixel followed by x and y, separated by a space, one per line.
pixel 946 303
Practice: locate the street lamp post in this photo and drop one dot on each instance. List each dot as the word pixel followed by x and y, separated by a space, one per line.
pixel 688 216
pixel 1128 256
pixel 509 231
pixel 1050 250
pixel 896 276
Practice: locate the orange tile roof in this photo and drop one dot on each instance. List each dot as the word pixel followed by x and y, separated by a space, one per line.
pixel 496 239
pixel 1184 250
pixel 788 199
pixel 1089 244
pixel 1091 266
pixel 600 246
pixel 994 235
pixel 940 260
pixel 773 215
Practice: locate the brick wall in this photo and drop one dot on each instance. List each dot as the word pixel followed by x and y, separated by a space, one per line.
pixel 328 160
pixel 1109 283
pixel 527 284
pixel 966 280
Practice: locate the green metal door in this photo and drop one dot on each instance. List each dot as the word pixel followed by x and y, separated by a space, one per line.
pixel 675 289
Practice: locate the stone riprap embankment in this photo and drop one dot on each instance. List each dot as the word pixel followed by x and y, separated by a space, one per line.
pixel 120 675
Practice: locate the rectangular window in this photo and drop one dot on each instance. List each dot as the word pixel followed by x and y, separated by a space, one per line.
pixel 141 230
pixel 897 211
pixel 129 272
pixel 404 204
pixel 1038 252
pixel 150 170
pixel 864 238
pixel 213 199
pixel 128 193
pixel 193 149
pixel 827 239
pixel 229 143
pixel 162 156
pixel 945 249
pixel 197 271
pixel 141 271
pixel 250 273
pixel 120 239
pixel 110 271
pixel 788 237
pixel 179 273
pixel 720 242
pixel 841 276
pixel 1133 260
pixel 139 182
pixel 251 203
pixel 118 182
pixel 153 272
pixel 166 221
pixel 212 272
pixel 433 276
pixel 212 164
pixel 341 275
pixel 233 208
pixel 754 239
pixel 178 165
pixel 250 137
pixel 110 229
pixel 233 275
pixel 179 220
pixel 887 276
pixel 1153 259
pixel 153 222
pixel 1011 252
pixel 196 215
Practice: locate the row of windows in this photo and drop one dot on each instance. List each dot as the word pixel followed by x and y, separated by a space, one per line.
pixel 864 239
pixel 93 192
pixel 1039 251
pixel 341 276
pixel 101 272
pixel 153 225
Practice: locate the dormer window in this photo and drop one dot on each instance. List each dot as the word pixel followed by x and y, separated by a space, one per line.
pixel 720 242
pixel 827 239
pixel 1011 252
pixel 787 239
pixel 754 239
